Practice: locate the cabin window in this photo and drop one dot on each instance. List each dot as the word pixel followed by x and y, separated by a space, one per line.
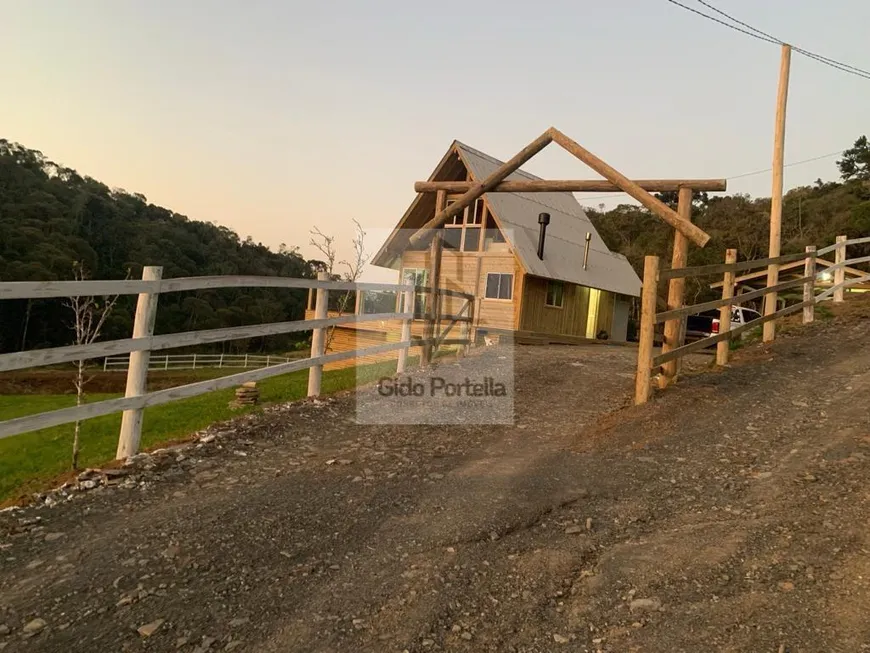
pixel 493 236
pixel 499 286
pixel 555 294
pixel 472 239
pixel 462 231
pixel 452 238
pixel 418 277
pixel 477 216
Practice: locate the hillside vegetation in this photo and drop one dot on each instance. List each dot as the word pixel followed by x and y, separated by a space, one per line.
pixel 51 217
pixel 812 215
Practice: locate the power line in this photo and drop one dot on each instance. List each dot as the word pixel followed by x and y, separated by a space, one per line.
pixel 722 22
pixel 745 174
pixel 787 165
pixel 764 36
pixel 812 55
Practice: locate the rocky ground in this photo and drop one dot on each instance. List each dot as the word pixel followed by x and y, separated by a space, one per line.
pixel 730 514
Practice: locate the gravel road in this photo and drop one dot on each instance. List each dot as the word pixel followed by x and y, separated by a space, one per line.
pixel 730 514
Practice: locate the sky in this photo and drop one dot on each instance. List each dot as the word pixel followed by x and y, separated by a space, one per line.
pixel 272 117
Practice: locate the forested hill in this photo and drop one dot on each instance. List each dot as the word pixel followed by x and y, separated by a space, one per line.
pixel 812 215
pixel 51 217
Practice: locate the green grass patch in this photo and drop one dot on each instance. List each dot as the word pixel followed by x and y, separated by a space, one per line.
pixel 822 312
pixel 28 461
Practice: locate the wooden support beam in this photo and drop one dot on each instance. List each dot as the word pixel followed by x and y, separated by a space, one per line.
pixel 677 286
pixel 479 188
pixel 647 330
pixel 693 233
pixel 776 192
pixel 723 347
pixel 574 186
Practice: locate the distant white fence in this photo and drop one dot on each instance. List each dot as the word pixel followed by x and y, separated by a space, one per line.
pixel 196 361
pixel 144 342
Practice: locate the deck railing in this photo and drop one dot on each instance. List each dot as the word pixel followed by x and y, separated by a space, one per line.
pixel 648 363
pixel 144 342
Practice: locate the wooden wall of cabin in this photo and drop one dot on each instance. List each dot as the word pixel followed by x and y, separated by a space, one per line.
pixel 573 317
pixel 467 273
pixel 350 338
pixel 568 320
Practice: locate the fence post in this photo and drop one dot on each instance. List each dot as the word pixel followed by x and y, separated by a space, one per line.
pixel 840 272
pixel 194 362
pixel 724 346
pixel 105 363
pixel 647 329
pixel 810 286
pixel 268 361
pixel 137 371
pixel 407 307
pixel 221 361
pixel 246 362
pixel 318 337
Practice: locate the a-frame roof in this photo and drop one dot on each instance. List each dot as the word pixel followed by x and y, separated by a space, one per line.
pixel 517 215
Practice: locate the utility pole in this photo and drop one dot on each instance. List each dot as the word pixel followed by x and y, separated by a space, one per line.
pixel 776 192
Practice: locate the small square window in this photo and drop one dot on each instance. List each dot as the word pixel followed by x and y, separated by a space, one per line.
pixel 499 286
pixel 555 294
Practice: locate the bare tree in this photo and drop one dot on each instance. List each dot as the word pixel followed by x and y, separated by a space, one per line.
pixel 90 314
pixel 326 246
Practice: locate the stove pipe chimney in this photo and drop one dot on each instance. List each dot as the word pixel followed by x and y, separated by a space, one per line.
pixel 543 220
pixel 586 251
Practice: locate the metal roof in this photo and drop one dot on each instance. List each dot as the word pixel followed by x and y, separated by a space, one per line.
pixel 565 240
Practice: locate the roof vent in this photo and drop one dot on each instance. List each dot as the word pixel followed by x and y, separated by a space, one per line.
pixel 543 220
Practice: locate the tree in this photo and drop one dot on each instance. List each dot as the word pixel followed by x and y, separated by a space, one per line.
pixel 855 163
pixel 326 246
pixel 51 216
pixel 89 315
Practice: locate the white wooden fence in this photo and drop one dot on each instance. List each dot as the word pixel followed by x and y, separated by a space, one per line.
pixel 144 342
pixel 648 363
pixel 196 361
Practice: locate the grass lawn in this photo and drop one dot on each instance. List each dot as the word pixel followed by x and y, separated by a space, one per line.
pixel 30 460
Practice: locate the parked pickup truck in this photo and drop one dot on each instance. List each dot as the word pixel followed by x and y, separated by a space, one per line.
pixel 706 324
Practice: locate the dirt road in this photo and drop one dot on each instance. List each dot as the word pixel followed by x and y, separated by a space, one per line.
pixel 728 515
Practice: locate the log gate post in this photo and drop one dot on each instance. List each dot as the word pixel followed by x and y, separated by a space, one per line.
pixel 433 307
pixel 674 330
pixel 647 329
pixel 407 307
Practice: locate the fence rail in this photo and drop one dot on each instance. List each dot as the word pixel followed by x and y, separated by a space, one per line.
pixel 672 352
pixel 144 342
pixel 197 361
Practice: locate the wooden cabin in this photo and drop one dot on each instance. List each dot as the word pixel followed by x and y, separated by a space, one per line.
pixel 562 286
pixel 491 250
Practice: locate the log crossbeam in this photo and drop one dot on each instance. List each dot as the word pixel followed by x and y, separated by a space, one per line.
pixel 618 181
